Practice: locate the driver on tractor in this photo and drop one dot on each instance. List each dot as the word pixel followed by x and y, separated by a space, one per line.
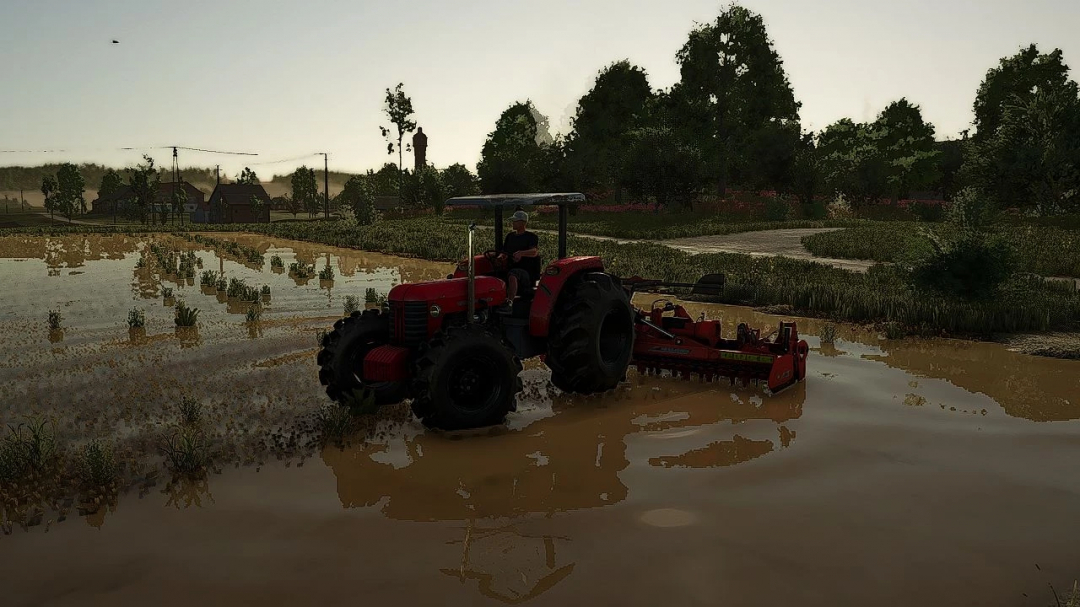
pixel 522 256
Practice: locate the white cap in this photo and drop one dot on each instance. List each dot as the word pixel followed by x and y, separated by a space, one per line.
pixel 520 216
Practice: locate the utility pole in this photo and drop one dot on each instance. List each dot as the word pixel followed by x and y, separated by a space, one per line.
pixel 326 182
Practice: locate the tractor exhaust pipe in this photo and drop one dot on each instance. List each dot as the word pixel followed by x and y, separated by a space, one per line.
pixel 472 279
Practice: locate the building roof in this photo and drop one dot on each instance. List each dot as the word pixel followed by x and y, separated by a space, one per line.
pixel 239 193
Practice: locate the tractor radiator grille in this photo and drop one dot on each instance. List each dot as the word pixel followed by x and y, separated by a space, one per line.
pixel 410 322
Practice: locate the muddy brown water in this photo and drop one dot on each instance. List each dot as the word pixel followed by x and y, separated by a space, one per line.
pixel 901 472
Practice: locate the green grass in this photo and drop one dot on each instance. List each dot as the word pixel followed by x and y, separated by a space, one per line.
pixel 1046 251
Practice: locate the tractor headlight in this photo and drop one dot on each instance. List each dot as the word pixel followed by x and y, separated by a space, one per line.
pixel 435 311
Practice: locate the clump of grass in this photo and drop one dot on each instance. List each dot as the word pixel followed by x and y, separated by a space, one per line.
pixel 187 452
pixel 352 304
pixel 893 330
pixel 185 316
pixel 236 288
pixel 301 271
pixel 221 285
pixel 55 319
pixel 96 466
pixel 254 313
pixel 136 318
pixel 166 293
pixel 208 278
pixel 191 411
pixel 266 290
pixel 28 450
pixel 372 296
pixel 828 333
pixel 275 262
pixel 360 402
pixel 335 422
pixel 326 273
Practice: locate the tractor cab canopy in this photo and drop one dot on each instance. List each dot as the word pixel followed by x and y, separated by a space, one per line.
pixel 500 202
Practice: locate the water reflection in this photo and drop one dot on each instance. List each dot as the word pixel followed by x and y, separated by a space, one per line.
pixel 569 460
pixel 508 565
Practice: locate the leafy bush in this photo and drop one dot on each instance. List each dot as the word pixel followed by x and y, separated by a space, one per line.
pixel 971 210
pixel 928 211
pixel 326 273
pixel 828 333
pixel 208 278
pixel 275 262
pixel 839 208
pixel 972 265
pixel 777 209
pixel 166 293
pixel 266 290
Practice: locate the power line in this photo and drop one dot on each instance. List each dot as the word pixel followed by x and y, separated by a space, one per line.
pixel 287 159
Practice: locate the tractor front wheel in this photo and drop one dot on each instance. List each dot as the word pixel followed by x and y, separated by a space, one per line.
pixel 341 360
pixel 592 336
pixel 466 377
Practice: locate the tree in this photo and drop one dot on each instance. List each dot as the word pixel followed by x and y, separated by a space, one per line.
pixel 48 188
pixel 111 182
pixel 144 181
pixel 733 89
pixel 69 192
pixel 358 196
pixel 248 177
pixel 292 205
pixel 432 189
pixel 658 165
pixel 1015 81
pixel 458 180
pixel 615 105
pixel 179 202
pixel 305 190
pixel 906 147
pixel 398 109
pixel 257 205
pixel 1024 151
pixel 387 180
pixel 511 158
pixel 849 161
pixel 806 178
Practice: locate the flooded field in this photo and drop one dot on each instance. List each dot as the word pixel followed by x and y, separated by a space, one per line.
pixel 901 472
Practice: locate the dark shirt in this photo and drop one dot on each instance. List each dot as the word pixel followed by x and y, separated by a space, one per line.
pixel 522 242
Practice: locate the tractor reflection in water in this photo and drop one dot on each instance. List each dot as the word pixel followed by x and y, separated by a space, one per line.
pixel 499 481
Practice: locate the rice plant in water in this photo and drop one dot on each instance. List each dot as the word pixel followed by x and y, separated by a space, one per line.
pixel 55 319
pixel 266 290
pixel 28 450
pixel 190 411
pixel 335 422
pixel 187 452
pixel 221 285
pixel 828 333
pixel 208 278
pixel 275 262
pixel 136 318
pixel 166 293
pixel 254 313
pixel 185 316
pixel 352 304
pixel 326 273
pixel 96 466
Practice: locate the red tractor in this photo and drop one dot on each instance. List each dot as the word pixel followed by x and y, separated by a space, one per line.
pixel 455 346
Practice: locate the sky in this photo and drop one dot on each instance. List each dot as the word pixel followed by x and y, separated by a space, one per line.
pixel 284 78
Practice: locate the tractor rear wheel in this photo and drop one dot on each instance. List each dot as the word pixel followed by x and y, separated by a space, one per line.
pixel 341 360
pixel 592 336
pixel 466 377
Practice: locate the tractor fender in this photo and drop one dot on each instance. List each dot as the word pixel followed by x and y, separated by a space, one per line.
pixel 555 277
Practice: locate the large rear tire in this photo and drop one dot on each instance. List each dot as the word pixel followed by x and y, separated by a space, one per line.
pixel 466 377
pixel 592 336
pixel 341 360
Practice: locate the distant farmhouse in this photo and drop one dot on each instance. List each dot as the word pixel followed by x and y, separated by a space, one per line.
pixel 122 201
pixel 235 203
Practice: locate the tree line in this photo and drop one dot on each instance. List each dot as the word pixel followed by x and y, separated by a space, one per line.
pixel 732 119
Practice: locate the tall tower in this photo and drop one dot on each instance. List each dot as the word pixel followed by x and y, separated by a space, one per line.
pixel 419 146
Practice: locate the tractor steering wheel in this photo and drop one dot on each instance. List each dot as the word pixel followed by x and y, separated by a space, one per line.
pixel 496 259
